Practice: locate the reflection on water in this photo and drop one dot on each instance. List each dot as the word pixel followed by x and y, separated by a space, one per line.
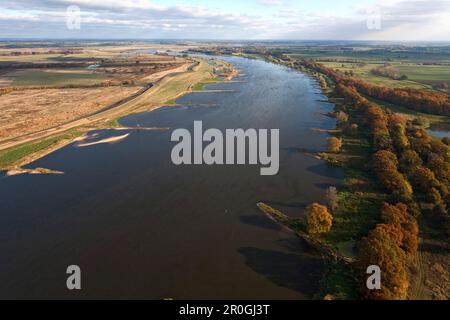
pixel 440 129
pixel 140 227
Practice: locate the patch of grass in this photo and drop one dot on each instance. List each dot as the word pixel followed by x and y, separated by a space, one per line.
pixel 10 156
pixel 338 283
pixel 359 198
pixel 421 73
pixel 358 213
pixel 213 80
pixel 411 114
pixel 363 71
pixel 114 123
pixel 171 102
pixel 198 87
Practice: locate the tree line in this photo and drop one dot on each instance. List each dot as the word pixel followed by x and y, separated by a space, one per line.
pixel 413 169
pixel 421 100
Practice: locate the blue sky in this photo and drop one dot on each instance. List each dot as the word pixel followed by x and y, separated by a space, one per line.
pixel 396 20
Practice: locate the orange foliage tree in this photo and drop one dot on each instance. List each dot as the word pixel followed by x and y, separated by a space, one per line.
pixel 319 220
pixel 382 248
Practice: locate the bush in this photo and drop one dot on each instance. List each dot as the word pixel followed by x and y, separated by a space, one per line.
pixel 319 220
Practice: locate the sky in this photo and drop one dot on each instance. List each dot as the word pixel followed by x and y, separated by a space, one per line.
pixel 385 20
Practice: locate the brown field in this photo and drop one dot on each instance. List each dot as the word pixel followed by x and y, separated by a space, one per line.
pixel 24 112
pixel 41 97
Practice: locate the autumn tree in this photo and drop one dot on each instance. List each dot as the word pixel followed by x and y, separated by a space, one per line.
pixel 385 163
pixel 409 161
pixel 440 168
pixel 382 141
pixel 424 180
pixel 334 144
pixel 384 160
pixel 399 137
pixel 319 220
pixel 382 248
pixel 341 117
pixel 398 215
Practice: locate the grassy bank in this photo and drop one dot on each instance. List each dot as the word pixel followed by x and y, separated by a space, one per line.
pixel 357 212
pixel 359 198
pixel 15 156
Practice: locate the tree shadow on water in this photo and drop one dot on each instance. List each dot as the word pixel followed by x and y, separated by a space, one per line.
pixel 324 186
pixel 327 171
pixel 297 272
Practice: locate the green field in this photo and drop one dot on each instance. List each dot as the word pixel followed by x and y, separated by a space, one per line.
pixel 360 60
pixel 362 70
pixel 426 74
pixel 44 78
pixel 11 156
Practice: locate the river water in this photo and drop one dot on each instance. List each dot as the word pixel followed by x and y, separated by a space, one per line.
pixel 140 227
pixel 439 130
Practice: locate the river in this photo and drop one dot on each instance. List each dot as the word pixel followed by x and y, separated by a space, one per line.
pixel 140 227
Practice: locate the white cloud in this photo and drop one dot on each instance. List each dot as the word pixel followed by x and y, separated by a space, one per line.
pixel 400 20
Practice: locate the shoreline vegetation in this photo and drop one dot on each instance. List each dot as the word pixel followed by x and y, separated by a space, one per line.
pixel 394 199
pixel 164 92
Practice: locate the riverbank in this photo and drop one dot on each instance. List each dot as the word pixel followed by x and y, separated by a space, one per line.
pixel 370 130
pixel 171 86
